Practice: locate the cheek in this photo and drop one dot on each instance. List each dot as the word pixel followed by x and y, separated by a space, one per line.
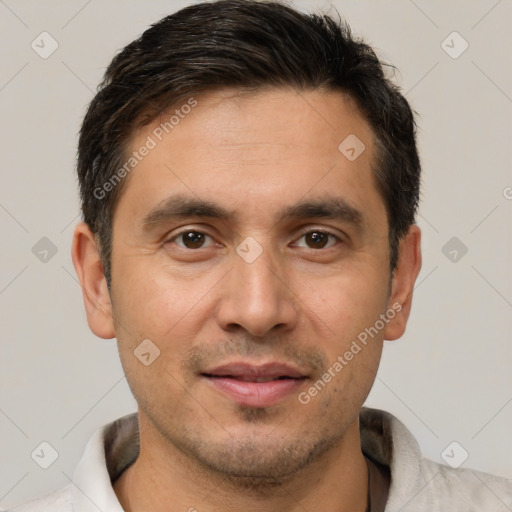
pixel 342 313
pixel 159 316
pixel 346 302
pixel 154 302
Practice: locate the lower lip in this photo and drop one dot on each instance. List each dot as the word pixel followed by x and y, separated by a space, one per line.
pixel 256 394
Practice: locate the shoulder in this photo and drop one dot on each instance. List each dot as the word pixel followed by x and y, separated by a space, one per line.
pixel 461 489
pixel 58 501
pixel 419 484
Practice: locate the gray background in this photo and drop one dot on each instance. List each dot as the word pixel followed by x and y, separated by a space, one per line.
pixel 448 379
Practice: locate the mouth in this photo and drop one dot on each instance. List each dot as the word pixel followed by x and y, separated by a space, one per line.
pixel 255 385
pixel 244 378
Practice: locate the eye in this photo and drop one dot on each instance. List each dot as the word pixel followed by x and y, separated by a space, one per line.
pixel 192 239
pixel 317 240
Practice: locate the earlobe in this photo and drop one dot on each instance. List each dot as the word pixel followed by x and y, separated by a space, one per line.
pixel 89 269
pixel 406 272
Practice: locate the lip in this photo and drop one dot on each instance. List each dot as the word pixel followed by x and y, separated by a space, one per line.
pixel 242 382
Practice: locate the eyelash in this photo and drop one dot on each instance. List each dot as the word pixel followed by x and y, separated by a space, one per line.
pixel 321 231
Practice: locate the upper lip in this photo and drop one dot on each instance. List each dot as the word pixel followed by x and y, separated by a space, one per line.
pixel 267 370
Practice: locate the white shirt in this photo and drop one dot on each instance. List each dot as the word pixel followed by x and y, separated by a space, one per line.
pixel 417 484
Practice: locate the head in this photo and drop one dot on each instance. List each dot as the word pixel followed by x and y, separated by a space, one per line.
pixel 249 180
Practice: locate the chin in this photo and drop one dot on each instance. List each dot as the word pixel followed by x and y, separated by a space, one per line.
pixel 260 462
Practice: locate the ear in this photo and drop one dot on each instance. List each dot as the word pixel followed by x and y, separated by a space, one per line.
pixel 89 269
pixel 404 277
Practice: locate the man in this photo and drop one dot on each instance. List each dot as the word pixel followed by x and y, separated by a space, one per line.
pixel 249 182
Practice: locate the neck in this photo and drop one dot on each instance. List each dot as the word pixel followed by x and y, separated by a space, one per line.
pixel 163 478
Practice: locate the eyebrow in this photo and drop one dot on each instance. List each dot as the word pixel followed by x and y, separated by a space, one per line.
pixel 334 208
pixel 181 206
pixel 184 206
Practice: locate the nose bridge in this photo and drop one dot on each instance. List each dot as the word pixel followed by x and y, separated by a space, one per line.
pixel 260 279
pixel 257 298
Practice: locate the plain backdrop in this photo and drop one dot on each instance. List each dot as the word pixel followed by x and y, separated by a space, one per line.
pixel 448 379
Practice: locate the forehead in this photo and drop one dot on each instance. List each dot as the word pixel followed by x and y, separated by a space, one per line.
pixel 254 149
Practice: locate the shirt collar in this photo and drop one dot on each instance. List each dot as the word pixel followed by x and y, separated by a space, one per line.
pixel 387 440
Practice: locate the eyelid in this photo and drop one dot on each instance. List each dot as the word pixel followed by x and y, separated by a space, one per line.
pixel 339 238
pixel 328 231
pixel 171 237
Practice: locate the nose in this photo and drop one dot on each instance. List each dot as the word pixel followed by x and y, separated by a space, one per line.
pixel 257 298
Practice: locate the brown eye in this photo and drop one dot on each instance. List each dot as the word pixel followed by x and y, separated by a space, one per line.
pixel 191 239
pixel 316 239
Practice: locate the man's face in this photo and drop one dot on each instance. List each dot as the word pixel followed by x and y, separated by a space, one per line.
pixel 273 274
